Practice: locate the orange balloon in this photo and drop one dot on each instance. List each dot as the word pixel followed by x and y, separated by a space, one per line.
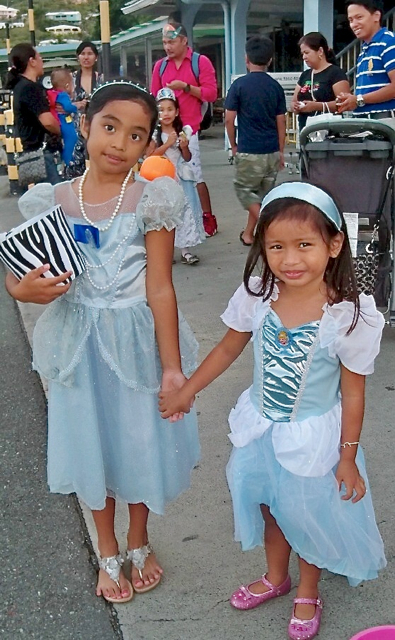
pixel 157 167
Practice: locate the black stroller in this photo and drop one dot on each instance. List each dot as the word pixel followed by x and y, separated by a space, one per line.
pixel 354 159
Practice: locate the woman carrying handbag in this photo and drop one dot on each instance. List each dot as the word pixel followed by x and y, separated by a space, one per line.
pixel 321 83
pixel 32 115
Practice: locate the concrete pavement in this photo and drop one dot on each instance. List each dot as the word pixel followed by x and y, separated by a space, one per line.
pixel 194 541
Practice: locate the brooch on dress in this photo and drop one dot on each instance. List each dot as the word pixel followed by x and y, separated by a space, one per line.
pixel 283 337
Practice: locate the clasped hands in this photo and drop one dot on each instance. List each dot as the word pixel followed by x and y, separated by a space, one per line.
pixel 173 401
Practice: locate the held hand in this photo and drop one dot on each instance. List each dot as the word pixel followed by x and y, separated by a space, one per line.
pixel 282 161
pixel 59 108
pixel 346 102
pixel 347 473
pixel 172 402
pixel 33 288
pixel 172 382
pixel 234 149
pixel 176 85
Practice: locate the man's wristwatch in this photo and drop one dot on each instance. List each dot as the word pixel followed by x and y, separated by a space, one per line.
pixel 360 101
pixel 187 88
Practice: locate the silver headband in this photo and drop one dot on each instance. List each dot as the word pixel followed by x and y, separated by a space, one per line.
pixel 120 83
pixel 306 193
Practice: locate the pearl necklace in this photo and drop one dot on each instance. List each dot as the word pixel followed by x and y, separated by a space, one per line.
pixel 117 207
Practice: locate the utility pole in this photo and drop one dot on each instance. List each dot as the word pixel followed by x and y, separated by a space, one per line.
pixel 105 37
pixel 30 13
pixel 7 38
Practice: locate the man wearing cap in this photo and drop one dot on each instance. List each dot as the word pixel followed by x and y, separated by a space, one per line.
pixel 176 72
pixel 375 80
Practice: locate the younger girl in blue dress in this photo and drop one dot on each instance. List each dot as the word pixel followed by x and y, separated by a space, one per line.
pixel 297 469
pixel 172 141
pixel 110 341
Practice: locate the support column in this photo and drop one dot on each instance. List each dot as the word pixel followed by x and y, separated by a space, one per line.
pixel 123 62
pixel 238 28
pixel 148 61
pixel 30 13
pixel 188 15
pixel 105 37
pixel 318 16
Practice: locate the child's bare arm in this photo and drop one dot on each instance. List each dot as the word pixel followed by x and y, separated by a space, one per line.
pixel 33 288
pixel 353 394
pixel 218 360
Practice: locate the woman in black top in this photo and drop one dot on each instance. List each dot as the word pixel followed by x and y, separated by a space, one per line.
pixel 319 85
pixel 32 115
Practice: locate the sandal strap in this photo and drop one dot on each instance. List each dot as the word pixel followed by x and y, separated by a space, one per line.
pixel 316 601
pixel 112 566
pixel 138 556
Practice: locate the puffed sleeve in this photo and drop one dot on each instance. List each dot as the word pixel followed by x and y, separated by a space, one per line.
pixel 356 351
pixel 161 205
pixel 241 308
pixel 36 200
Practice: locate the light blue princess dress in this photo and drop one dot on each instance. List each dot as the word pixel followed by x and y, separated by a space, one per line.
pixel 96 345
pixel 285 431
pixel 190 232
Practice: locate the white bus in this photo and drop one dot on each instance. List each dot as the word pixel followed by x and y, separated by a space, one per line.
pixel 63 29
pixel 73 17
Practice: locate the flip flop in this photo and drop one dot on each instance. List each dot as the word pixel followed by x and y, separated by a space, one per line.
pixel 137 558
pixel 112 566
pixel 243 242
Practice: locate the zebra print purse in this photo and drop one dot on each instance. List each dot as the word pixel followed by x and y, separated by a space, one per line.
pixel 44 239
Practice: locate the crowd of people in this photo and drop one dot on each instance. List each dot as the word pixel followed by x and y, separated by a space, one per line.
pixel 118 340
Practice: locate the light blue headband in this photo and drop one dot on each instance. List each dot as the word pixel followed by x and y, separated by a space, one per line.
pixel 306 193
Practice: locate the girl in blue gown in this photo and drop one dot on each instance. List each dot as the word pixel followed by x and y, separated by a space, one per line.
pixel 109 341
pixel 297 471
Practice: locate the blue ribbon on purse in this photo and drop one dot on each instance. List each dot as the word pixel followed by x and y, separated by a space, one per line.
pixel 87 234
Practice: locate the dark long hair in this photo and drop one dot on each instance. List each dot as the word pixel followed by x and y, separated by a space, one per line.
pixel 125 91
pixel 315 40
pixel 19 56
pixel 177 123
pixel 339 274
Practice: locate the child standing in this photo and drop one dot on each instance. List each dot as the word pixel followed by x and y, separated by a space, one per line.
pixel 110 341
pixel 172 141
pixel 296 459
pixel 60 96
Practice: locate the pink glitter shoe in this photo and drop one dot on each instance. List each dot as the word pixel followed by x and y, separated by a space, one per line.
pixel 244 599
pixel 305 629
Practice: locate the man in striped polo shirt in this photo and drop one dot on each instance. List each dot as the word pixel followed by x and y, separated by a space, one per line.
pixel 375 80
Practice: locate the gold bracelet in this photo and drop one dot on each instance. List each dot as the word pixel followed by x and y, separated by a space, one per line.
pixel 348 444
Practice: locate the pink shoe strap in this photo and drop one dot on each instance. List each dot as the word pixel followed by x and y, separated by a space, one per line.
pixel 271 586
pixel 316 601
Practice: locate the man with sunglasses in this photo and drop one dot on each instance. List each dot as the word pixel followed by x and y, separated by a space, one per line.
pixel 193 81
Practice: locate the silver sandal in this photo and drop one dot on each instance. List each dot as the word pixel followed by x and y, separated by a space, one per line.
pixel 112 566
pixel 137 557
